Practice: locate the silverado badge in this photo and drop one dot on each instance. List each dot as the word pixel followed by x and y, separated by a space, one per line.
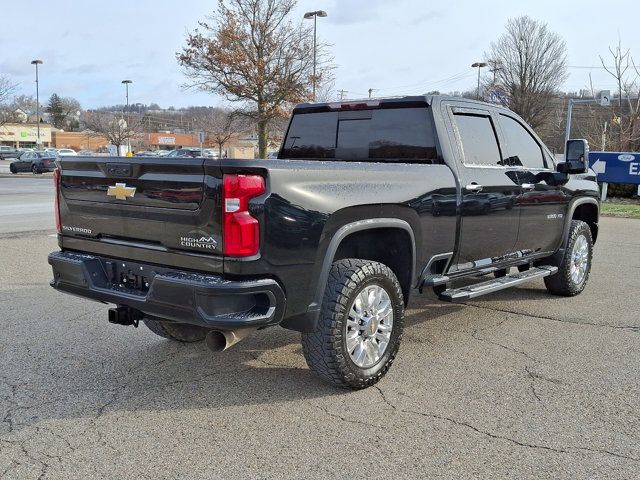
pixel 121 191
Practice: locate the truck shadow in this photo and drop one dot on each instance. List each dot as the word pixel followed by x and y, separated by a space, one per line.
pixel 128 370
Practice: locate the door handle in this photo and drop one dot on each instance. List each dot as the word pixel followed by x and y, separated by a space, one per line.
pixel 528 186
pixel 473 187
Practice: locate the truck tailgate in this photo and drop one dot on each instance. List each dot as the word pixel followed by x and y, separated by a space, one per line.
pixel 153 202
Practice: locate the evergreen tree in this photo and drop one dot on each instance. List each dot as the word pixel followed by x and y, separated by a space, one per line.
pixel 56 110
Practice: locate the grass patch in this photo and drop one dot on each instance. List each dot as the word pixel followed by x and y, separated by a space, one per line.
pixel 628 210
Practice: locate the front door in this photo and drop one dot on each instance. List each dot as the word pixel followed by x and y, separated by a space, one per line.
pixel 489 212
pixel 542 203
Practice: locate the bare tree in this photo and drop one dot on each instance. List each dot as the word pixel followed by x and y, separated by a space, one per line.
pixel 616 127
pixel 7 88
pixel 219 125
pixel 250 51
pixel 621 63
pixel 112 126
pixel 532 62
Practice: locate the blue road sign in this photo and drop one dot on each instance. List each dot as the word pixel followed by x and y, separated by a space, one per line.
pixel 616 167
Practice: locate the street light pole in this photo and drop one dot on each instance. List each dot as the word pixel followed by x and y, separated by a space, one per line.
pixel 479 65
pixel 314 15
pixel 126 87
pixel 36 63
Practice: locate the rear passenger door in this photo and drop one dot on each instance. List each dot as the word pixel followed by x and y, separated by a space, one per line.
pixel 542 204
pixel 489 212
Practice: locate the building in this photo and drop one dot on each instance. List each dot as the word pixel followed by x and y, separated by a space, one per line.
pixel 25 135
pixel 169 141
pixel 78 140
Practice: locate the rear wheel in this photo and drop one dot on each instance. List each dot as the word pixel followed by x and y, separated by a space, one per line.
pixel 360 326
pixel 34 169
pixel 180 332
pixel 573 271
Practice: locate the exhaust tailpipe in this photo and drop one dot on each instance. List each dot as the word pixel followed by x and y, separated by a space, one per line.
pixel 217 341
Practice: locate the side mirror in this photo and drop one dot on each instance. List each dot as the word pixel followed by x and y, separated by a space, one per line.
pixel 576 155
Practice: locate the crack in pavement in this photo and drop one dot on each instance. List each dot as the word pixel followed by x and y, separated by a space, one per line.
pixel 474 334
pixel 495 436
pixel 567 450
pixel 632 328
pixel 532 384
pixel 348 420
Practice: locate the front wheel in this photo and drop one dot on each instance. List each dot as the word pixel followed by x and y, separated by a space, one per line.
pixel 573 271
pixel 360 326
pixel 34 170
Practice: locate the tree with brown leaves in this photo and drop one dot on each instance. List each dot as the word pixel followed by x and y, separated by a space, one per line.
pixel 250 51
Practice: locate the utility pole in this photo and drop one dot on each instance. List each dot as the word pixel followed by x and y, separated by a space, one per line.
pixel 342 94
pixel 494 68
pixel 36 63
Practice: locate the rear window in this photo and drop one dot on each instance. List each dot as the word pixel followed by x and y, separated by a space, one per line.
pixel 400 135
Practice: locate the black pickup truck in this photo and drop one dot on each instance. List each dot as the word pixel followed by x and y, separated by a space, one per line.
pixel 367 204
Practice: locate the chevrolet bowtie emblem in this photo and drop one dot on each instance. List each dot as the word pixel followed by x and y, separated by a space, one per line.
pixel 121 191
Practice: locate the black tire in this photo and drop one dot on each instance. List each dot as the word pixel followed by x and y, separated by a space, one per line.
pixel 325 349
pixel 524 268
pixel 12 169
pixel 562 283
pixel 180 332
pixel 34 170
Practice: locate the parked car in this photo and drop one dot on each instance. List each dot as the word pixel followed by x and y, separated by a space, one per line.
pixel 34 162
pixel 25 149
pixel 8 152
pixel 334 238
pixel 85 153
pixel 185 152
pixel 67 152
pixel 211 153
pixel 164 153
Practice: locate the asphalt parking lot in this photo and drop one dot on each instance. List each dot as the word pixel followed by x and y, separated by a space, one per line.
pixel 518 384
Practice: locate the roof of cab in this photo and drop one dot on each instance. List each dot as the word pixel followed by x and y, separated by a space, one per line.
pixel 386 102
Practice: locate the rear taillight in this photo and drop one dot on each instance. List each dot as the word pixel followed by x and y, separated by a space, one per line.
pixel 241 231
pixel 56 201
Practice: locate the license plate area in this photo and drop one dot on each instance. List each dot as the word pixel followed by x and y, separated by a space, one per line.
pixel 130 276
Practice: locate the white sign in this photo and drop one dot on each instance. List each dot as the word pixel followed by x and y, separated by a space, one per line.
pixel 167 140
pixel 605 98
pixel 201 137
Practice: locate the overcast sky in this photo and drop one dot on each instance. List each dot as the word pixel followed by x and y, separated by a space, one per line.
pixel 395 46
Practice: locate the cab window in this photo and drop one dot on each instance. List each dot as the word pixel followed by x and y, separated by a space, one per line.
pixel 479 141
pixel 523 149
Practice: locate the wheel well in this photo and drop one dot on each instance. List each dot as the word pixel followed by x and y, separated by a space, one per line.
pixel 390 246
pixel 588 213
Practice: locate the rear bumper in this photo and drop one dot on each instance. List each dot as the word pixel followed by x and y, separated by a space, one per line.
pixel 186 297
